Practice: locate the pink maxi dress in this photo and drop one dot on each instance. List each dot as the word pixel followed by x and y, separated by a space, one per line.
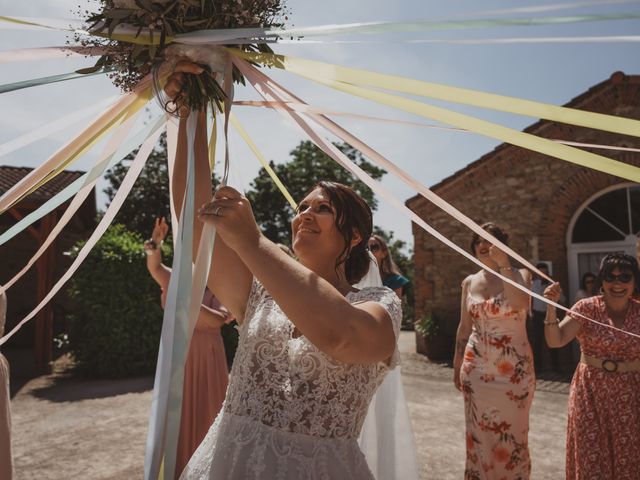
pixel 205 385
pixel 498 383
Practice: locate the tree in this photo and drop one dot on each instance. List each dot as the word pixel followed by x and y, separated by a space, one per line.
pixel 149 197
pixel 308 166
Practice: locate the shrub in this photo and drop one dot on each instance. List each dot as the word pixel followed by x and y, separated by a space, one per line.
pixel 428 326
pixel 117 319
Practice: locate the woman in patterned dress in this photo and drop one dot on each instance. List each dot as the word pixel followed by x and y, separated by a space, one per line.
pixel 493 366
pixel 603 432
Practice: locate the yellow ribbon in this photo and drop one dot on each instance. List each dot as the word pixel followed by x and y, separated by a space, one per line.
pixel 243 133
pixel 141 100
pixel 505 134
pixel 316 70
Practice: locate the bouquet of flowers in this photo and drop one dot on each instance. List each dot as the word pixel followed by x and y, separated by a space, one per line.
pixel 135 37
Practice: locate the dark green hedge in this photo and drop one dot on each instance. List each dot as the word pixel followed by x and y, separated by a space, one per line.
pixel 117 319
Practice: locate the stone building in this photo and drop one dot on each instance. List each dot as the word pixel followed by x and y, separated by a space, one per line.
pixel 554 211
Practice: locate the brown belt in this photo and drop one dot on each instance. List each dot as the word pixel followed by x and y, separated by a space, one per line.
pixel 612 366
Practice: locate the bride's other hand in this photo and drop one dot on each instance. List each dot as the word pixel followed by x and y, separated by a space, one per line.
pixel 233 218
pixel 175 84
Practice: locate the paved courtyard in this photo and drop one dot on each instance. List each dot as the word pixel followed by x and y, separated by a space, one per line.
pixel 72 429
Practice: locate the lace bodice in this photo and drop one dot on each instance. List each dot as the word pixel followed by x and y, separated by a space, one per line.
pixel 285 382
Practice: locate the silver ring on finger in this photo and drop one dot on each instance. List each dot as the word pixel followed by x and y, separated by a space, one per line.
pixel 217 212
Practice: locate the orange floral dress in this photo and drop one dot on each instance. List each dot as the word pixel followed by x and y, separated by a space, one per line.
pixel 498 382
pixel 603 435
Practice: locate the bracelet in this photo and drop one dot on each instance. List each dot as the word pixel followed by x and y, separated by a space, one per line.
pixel 505 268
pixel 551 322
pixel 150 246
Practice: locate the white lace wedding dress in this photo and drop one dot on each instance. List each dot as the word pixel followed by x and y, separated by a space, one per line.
pixel 291 412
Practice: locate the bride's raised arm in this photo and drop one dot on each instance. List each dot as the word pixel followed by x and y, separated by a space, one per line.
pixel 310 292
pixel 229 279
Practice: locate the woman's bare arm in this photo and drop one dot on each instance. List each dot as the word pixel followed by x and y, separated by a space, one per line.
pixel 462 334
pixel 556 333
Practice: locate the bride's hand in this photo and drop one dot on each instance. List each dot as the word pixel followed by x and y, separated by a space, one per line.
pixel 233 218
pixel 175 84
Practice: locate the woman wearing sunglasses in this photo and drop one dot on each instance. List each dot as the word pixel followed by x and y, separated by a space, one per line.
pixel 603 437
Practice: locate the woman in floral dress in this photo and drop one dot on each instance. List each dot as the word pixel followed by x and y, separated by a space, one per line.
pixel 603 434
pixel 493 366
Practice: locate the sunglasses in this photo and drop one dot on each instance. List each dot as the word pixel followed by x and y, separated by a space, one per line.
pixel 374 247
pixel 622 278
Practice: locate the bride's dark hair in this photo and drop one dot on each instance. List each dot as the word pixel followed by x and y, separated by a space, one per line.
pixel 352 215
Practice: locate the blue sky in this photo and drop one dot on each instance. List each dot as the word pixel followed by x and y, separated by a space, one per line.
pixel 551 73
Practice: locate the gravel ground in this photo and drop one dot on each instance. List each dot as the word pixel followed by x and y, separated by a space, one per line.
pixel 65 428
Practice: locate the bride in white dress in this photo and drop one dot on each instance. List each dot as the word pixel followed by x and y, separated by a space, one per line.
pixel 312 349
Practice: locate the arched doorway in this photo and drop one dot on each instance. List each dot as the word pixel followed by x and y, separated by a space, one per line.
pixel 607 222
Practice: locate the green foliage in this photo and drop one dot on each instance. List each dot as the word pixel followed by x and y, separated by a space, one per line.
pixel 149 197
pixel 428 326
pixel 308 166
pixel 115 328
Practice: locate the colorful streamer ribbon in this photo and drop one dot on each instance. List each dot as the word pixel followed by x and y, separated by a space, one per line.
pixel 253 35
pixel 52 127
pixel 126 106
pixel 166 404
pixel 306 108
pixel 263 161
pixel 75 204
pixel 36 82
pixel 114 207
pixel 331 150
pixel 69 191
pixel 381 161
pixel 336 74
pixel 327 74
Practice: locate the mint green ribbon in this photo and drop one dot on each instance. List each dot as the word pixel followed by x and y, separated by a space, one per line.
pixel 35 82
pixel 69 191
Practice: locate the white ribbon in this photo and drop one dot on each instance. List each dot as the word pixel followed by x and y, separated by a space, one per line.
pixel 114 207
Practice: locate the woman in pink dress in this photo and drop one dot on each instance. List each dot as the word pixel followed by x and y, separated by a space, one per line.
pixel 493 366
pixel 205 370
pixel 603 434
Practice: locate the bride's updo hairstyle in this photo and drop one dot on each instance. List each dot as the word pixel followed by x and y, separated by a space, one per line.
pixel 352 215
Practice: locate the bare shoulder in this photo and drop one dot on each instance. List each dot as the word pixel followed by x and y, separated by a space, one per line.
pixel 467 281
